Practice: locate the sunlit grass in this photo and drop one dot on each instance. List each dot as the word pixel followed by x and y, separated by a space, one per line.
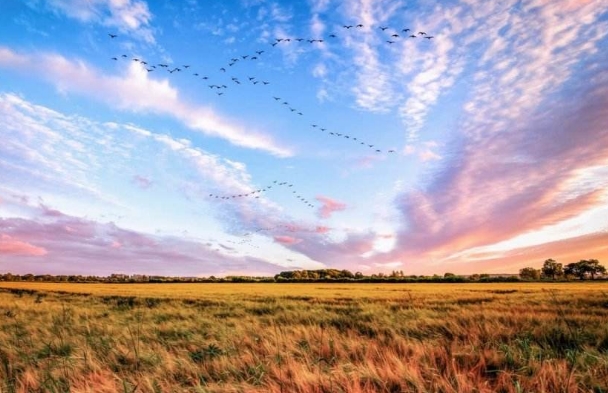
pixel 518 337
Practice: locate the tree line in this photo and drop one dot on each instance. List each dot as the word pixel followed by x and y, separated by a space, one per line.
pixel 553 270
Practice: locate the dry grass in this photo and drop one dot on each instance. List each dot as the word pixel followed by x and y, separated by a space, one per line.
pixel 303 337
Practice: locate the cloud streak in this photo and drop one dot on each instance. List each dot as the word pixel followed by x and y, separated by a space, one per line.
pixel 136 91
pixel 128 16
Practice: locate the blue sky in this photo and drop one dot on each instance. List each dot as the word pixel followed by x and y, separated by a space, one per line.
pixel 200 138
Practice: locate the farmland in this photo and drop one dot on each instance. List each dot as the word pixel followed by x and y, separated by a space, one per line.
pixel 516 337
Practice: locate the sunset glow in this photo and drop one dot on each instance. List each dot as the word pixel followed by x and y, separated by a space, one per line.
pixel 250 137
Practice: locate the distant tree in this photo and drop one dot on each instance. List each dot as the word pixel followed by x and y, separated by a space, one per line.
pixel 529 273
pixel 447 275
pixel 552 268
pixel 474 277
pixel 358 275
pixel 585 267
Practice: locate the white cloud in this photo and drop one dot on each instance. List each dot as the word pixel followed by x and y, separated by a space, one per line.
pixel 128 16
pixel 136 91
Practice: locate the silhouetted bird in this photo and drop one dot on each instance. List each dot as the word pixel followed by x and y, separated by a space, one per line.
pixel 112 35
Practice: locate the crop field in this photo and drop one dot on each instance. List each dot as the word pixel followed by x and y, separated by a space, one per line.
pixel 516 337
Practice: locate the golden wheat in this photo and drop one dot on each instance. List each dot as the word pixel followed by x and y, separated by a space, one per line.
pixel 517 337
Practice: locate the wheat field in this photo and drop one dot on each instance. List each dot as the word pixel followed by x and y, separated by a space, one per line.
pixel 516 337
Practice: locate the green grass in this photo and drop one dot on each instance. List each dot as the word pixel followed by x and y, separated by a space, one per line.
pixel 304 338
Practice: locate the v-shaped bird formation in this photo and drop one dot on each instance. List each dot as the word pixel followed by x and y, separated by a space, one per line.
pixel 221 80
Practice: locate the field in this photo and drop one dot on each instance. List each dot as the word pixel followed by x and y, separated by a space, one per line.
pixel 304 337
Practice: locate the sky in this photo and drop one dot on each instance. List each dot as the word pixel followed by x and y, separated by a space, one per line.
pixel 249 137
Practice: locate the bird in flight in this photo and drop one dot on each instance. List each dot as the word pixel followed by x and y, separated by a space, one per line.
pixel 347 27
pixel 405 30
pixel 429 37
pixel 112 35
pixel 114 58
pixel 395 35
pixel 390 42
pixel 359 25
pixel 421 33
pixel 383 28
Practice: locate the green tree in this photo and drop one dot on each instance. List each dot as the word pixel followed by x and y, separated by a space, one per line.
pixel 529 273
pixel 585 267
pixel 552 268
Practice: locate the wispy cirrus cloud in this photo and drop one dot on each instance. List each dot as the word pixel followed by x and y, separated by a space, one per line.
pixel 136 91
pixel 77 153
pixel 128 16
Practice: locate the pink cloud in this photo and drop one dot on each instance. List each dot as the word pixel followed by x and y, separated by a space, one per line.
pixel 505 185
pixel 90 247
pixel 322 229
pixel 287 240
pixel 11 246
pixel 142 182
pixel 329 206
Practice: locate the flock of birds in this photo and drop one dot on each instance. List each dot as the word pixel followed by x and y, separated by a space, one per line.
pixel 256 193
pixel 220 88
